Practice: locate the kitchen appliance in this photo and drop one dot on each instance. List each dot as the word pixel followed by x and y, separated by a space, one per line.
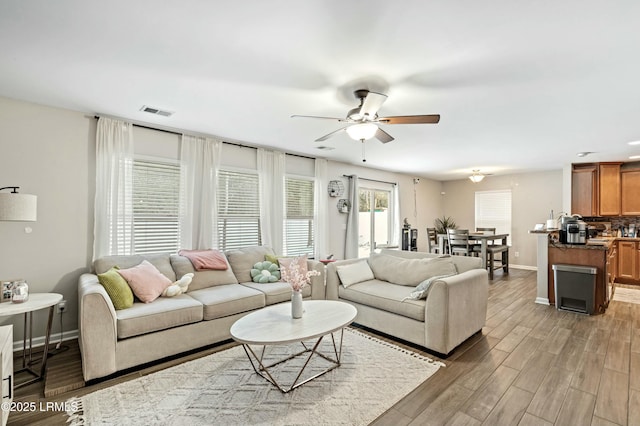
pixel 573 230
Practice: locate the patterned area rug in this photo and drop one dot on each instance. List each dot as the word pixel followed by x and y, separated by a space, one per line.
pixel 628 295
pixel 223 389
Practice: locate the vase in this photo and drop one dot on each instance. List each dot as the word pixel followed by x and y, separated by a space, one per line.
pixel 296 304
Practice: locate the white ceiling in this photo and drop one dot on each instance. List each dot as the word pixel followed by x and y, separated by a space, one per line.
pixel 520 85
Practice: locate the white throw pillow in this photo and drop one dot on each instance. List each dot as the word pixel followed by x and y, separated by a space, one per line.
pixel 354 273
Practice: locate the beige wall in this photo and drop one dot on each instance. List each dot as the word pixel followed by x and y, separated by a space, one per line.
pixel 534 195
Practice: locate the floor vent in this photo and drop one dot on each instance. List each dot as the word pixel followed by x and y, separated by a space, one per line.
pixel 156 111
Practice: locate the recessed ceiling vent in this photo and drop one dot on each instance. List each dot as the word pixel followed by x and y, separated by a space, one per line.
pixel 156 111
pixel 325 148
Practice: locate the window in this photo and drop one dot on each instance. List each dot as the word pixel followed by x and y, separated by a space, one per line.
pixel 374 220
pixel 493 210
pixel 238 210
pixel 156 192
pixel 298 229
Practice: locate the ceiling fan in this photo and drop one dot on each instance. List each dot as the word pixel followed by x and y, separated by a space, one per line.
pixel 363 121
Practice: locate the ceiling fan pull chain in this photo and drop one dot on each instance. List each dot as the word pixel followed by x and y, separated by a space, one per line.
pixel 364 160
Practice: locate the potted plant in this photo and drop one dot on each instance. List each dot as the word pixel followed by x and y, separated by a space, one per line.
pixel 443 223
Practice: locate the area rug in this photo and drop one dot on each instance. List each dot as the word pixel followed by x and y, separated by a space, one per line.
pixel 628 295
pixel 223 389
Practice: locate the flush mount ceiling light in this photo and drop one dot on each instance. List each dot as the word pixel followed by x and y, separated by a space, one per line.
pixel 364 131
pixel 476 176
pixel 634 143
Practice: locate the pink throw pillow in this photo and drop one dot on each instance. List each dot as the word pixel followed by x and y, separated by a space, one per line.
pixel 206 259
pixel 146 282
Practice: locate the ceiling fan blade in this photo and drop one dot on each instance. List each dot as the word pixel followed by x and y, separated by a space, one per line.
pixel 316 116
pixel 383 136
pixel 410 119
pixel 327 136
pixel 372 104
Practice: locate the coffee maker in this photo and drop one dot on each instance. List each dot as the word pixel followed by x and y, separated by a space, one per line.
pixel 573 230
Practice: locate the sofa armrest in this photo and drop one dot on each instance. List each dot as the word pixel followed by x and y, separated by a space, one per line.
pixel 333 280
pixel 317 282
pixel 97 325
pixel 456 308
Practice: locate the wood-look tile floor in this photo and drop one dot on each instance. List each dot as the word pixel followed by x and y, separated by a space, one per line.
pixel 530 365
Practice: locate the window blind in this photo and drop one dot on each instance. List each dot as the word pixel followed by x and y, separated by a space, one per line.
pixel 238 210
pixel 156 195
pixel 298 229
pixel 493 210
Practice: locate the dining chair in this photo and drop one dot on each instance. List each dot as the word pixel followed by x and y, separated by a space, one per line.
pixel 458 241
pixel 432 241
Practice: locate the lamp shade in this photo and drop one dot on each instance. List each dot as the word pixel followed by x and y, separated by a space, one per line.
pixel 18 207
pixel 362 131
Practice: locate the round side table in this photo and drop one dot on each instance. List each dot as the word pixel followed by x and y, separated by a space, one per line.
pixel 36 302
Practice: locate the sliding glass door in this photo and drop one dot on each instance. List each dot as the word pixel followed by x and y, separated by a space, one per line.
pixel 374 221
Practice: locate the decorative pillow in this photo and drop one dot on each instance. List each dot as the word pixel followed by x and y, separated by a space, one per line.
pixel 354 273
pixel 409 272
pixel 422 290
pixel 265 272
pixel 117 288
pixel 285 262
pixel 146 281
pixel 274 258
pixel 206 259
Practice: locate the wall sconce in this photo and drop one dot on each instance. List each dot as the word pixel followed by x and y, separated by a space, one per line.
pixel 17 207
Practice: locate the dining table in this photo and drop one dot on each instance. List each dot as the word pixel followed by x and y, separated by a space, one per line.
pixel 483 239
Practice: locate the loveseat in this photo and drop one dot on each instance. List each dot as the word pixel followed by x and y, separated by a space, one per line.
pixel 455 307
pixel 112 340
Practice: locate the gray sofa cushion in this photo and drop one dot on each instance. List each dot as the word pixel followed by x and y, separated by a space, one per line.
pixel 409 272
pixel 224 300
pixel 160 261
pixel 386 296
pixel 276 292
pixel 463 263
pixel 201 279
pixel 161 314
pixel 242 260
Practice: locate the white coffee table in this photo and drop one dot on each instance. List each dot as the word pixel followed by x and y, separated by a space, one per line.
pixel 273 325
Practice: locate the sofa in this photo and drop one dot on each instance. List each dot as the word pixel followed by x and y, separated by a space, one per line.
pixel 112 340
pixel 455 307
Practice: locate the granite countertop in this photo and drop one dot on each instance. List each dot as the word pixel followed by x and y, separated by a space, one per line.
pixel 596 243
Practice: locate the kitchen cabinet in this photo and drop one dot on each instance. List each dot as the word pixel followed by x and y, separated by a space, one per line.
pixel 584 190
pixel 630 192
pixel 609 189
pixel 628 261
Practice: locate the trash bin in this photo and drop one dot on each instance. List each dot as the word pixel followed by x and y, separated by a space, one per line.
pixel 575 288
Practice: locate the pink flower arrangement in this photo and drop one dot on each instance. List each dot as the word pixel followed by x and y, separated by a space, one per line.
pixel 295 277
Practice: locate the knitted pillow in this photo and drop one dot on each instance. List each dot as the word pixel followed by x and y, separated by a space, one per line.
pixel 117 288
pixel 265 272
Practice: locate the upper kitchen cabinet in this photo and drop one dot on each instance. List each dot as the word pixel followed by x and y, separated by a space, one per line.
pixel 609 189
pixel 584 189
pixel 630 189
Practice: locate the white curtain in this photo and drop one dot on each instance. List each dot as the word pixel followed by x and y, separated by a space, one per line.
pixel 199 164
pixel 395 216
pixel 113 221
pixel 351 240
pixel 321 222
pixel 271 167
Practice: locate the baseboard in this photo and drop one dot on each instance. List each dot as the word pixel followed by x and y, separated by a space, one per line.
pixel 525 267
pixel 39 341
pixel 542 301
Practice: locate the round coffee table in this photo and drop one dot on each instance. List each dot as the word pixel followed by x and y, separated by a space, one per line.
pixel 274 325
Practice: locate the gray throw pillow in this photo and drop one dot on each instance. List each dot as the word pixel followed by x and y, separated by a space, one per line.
pixel 422 290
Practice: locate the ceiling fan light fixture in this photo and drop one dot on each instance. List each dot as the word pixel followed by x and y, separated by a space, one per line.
pixel 363 131
pixel 476 177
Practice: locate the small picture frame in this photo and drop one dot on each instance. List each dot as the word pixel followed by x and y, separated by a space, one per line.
pixel 7 289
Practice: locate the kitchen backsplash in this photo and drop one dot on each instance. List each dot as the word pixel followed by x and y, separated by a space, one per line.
pixel 616 222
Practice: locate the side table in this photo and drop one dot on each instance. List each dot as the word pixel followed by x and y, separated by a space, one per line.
pixel 36 302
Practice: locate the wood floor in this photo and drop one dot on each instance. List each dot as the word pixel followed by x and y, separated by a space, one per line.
pixel 531 365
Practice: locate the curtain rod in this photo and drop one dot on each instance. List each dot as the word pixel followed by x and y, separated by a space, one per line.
pixel 173 132
pixel 372 180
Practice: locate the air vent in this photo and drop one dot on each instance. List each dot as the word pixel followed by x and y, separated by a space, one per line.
pixel 156 111
pixel 325 148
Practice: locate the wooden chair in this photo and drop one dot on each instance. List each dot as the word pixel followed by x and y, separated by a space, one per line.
pixel 432 241
pixel 458 242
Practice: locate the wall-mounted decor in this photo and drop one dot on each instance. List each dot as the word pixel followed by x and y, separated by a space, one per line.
pixel 335 188
pixel 344 206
